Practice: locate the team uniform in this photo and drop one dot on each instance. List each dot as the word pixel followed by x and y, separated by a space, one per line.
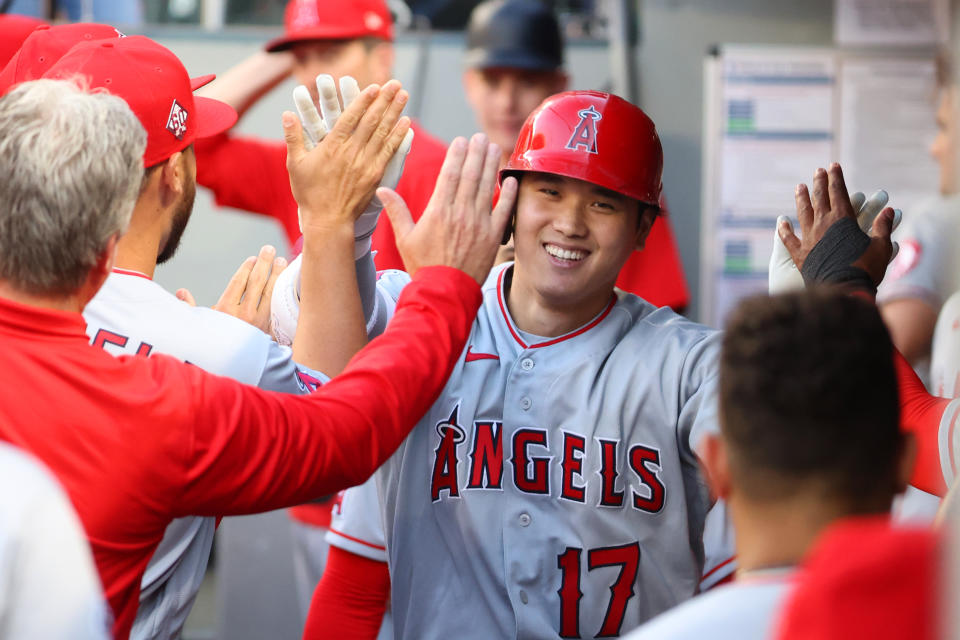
pixel 131 314
pixel 549 472
pixel 49 587
pixel 747 609
pixel 148 440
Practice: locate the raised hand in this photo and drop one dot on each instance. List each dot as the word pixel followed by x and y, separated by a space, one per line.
pixel 334 181
pixel 833 247
pixel 249 292
pixel 458 228
pixel 782 273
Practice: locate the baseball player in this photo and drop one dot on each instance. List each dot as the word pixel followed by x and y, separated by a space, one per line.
pixel 514 62
pixel 49 587
pixel 833 249
pixel 132 314
pixel 945 353
pixel 553 489
pixel 320 37
pixel 137 442
pixel 800 447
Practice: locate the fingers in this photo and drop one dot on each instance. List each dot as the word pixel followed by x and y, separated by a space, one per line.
pixel 897 218
pixel 821 199
pixel 329 100
pixel 312 122
pixel 488 175
pixel 449 178
pixel 857 200
pixel 804 207
pixel 389 148
pixel 472 170
pixel 883 225
pixel 263 311
pixel 293 136
pixel 391 175
pixel 504 209
pixel 185 296
pixel 837 191
pixel 870 209
pixel 350 118
pixel 790 240
pixel 349 90
pixel 397 211
pixel 382 115
pixel 257 281
pixel 238 284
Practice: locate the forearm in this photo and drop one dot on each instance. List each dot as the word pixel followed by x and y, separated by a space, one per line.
pixel 245 83
pixel 331 328
pixel 252 451
pixel 351 598
pixel 921 415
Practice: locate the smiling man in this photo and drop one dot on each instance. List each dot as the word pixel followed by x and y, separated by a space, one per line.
pixel 553 489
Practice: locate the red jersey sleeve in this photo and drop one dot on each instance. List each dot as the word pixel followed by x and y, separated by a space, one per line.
pixel 351 598
pixel 249 174
pixel 251 450
pixel 921 414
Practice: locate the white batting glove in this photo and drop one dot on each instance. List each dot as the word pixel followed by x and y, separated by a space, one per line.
pixel 317 127
pixel 285 304
pixel 783 275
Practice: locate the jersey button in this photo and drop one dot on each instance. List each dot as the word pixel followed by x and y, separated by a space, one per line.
pixel 525 519
pixel 523 597
pixel 525 403
pixel 526 364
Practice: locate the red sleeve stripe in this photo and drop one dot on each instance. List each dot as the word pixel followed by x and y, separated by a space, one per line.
pixel 358 540
pixel 718 567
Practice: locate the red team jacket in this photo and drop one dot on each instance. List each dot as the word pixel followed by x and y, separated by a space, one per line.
pixel 136 441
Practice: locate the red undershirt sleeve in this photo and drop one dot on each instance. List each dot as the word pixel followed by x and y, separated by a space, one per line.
pixel 351 598
pixel 920 415
pixel 251 450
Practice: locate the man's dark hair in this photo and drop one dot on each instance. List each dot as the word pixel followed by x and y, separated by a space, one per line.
pixel 808 400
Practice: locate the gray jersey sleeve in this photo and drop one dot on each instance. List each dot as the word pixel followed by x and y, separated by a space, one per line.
pixel 281 373
pixel 699 388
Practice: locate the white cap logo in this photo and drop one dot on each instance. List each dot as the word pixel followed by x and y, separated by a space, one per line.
pixel 307 15
pixel 177 120
pixel 372 20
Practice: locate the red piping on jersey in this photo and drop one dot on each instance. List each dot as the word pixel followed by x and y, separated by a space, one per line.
pixel 953 423
pixel 358 540
pixel 718 567
pixel 128 272
pixel 583 329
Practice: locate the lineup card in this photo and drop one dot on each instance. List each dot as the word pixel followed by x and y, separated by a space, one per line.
pixel 772 115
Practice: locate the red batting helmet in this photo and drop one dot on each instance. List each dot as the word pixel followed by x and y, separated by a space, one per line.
pixel 593 136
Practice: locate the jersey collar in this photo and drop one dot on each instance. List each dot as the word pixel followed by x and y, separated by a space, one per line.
pixel 501 300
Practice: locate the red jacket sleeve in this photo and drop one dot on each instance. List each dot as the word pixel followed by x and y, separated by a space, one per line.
pixel 250 450
pixel 921 415
pixel 249 174
pixel 351 598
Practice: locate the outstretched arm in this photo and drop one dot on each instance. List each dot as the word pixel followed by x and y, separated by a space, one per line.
pixel 350 599
pixel 249 80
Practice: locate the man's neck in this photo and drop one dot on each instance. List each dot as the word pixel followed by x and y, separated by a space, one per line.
pixel 535 314
pixel 137 250
pixel 779 534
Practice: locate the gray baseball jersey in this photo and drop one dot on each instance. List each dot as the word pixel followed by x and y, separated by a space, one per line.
pixel 133 314
pixel 553 488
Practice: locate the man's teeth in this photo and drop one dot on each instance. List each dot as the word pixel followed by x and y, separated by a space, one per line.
pixel 565 254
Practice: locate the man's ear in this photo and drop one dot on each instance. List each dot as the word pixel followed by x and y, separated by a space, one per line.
pixel 716 466
pixel 645 220
pixel 173 176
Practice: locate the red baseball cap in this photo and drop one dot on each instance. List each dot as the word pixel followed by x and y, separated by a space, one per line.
pixel 306 20
pixel 14 29
pixel 45 45
pixel 866 579
pixel 155 84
